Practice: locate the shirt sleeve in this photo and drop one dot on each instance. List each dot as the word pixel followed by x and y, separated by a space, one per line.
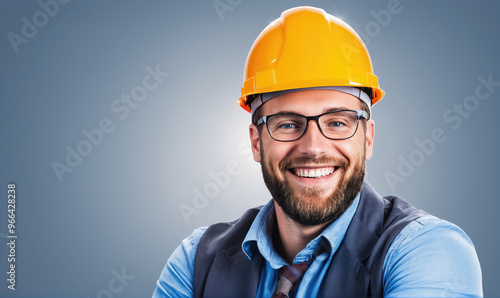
pixel 432 258
pixel 176 279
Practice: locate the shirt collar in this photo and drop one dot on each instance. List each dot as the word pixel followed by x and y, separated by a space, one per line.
pixel 259 236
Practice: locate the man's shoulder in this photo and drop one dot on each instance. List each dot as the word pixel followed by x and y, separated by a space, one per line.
pixel 432 251
pixel 220 230
pixel 222 235
pixel 194 239
pixel 429 228
pixel 221 241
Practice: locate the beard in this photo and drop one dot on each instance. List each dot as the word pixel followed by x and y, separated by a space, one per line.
pixel 306 207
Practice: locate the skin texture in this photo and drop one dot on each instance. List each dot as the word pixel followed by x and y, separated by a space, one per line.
pixel 306 206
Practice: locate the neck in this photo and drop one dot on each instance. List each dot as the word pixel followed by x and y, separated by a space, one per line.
pixel 293 237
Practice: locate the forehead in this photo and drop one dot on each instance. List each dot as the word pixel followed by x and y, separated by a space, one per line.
pixel 311 102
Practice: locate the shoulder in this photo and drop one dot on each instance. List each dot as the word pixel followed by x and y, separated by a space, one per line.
pixel 176 279
pixel 429 231
pixel 221 236
pixel 431 256
pixel 227 232
pixel 429 226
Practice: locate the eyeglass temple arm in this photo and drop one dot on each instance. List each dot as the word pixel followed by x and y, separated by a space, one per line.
pixel 362 114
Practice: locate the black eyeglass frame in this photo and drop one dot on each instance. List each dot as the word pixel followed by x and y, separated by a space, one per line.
pixel 359 113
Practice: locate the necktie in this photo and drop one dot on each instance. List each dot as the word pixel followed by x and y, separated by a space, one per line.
pixel 289 275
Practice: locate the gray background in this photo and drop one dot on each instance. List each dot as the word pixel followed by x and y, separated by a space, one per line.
pixel 118 210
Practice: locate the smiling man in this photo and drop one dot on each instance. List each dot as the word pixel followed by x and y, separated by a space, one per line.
pixel 309 85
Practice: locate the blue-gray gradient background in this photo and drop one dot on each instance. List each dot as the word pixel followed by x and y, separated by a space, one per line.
pixel 185 145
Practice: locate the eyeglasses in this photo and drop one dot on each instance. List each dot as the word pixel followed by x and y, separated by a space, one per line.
pixel 336 125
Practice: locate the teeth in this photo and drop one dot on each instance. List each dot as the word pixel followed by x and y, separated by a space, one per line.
pixel 314 173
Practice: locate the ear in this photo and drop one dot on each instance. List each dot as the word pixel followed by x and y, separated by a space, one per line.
pixel 255 142
pixel 370 134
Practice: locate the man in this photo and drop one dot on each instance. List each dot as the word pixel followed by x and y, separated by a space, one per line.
pixel 309 85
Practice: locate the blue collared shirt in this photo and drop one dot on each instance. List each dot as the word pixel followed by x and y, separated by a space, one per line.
pixel 430 257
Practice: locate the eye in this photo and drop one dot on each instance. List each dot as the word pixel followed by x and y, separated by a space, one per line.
pixel 286 123
pixel 286 126
pixel 336 124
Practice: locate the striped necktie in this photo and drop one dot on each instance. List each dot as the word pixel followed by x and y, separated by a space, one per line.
pixel 290 275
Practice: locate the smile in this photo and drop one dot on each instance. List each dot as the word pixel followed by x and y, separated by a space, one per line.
pixel 313 172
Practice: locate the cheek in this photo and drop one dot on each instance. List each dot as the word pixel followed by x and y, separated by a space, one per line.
pixel 352 149
pixel 274 152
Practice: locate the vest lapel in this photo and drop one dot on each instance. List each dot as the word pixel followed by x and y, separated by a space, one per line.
pixel 347 276
pixel 351 281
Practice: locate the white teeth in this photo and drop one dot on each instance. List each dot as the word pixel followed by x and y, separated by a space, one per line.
pixel 314 173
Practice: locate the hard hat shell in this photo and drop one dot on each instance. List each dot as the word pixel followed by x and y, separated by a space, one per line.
pixel 306 47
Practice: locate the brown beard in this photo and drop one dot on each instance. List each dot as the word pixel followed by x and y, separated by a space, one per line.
pixel 304 208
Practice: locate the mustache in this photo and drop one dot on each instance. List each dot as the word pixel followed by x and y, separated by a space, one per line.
pixel 286 164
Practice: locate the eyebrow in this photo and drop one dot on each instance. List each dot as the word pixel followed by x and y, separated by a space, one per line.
pixel 327 110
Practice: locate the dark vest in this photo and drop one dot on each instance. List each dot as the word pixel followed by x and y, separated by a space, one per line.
pixel 223 270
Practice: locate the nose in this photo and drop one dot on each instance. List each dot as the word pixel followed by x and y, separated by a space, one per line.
pixel 313 143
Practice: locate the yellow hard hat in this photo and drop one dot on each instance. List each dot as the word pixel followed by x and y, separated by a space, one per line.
pixel 306 47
